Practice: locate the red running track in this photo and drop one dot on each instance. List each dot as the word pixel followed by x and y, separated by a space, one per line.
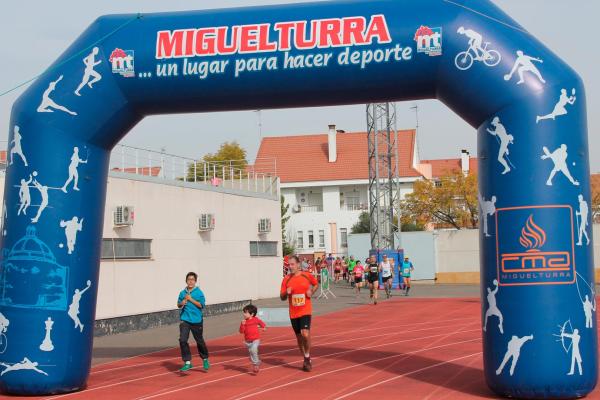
pixel 401 348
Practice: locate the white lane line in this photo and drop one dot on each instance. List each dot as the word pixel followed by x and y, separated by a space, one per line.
pixel 293 339
pixel 328 355
pixel 402 356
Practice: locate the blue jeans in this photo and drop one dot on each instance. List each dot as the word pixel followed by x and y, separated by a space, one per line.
pixel 253 350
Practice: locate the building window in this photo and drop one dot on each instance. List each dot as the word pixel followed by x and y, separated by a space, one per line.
pixel 353 203
pixel 321 239
pixel 311 240
pixel 343 237
pixel 116 249
pixel 300 240
pixel 263 249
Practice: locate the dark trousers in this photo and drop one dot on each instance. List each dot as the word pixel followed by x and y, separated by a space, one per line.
pixel 184 334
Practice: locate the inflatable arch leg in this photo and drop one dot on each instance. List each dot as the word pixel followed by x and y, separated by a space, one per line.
pixel 539 331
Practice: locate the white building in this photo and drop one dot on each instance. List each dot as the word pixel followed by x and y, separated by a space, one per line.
pixel 324 179
pixel 234 260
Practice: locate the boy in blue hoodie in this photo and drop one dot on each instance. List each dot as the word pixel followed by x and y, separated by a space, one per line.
pixel 191 301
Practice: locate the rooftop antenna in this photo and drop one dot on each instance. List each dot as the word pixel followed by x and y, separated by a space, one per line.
pixel 259 116
pixel 416 108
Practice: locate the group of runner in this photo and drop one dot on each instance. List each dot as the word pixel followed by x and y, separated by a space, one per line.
pixel 297 287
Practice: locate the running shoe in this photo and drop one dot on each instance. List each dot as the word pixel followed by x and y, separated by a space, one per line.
pixel 186 367
pixel 205 364
pixel 307 367
pixel 255 369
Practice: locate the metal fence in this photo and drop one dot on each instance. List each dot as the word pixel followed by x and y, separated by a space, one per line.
pixel 231 174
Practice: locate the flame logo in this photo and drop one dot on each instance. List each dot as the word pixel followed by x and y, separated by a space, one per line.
pixel 532 236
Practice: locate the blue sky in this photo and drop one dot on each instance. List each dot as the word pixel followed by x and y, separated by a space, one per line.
pixel 34 33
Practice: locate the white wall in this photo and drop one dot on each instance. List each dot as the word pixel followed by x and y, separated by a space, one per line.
pixel 168 214
pixel 457 251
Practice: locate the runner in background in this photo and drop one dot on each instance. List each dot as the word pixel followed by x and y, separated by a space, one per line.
pixel 358 273
pixel 337 269
pixel 407 269
pixel 373 269
pixel 351 265
pixel 385 269
pixel 298 288
pixel 344 268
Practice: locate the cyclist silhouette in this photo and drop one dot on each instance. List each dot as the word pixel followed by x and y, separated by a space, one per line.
pixel 476 52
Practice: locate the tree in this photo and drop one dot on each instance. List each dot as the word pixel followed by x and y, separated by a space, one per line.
pixel 287 247
pixel 230 155
pixel 363 225
pixel 451 201
pixel 595 207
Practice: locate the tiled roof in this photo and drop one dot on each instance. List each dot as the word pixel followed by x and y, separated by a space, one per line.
pixel 154 171
pixel 304 158
pixel 448 166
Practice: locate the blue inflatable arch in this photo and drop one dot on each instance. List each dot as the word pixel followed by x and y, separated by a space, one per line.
pixel 537 276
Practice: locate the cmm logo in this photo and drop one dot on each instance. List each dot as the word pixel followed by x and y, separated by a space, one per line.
pixel 540 251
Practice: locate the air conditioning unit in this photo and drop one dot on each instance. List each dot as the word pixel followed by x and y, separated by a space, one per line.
pixel 206 222
pixel 264 225
pixel 124 216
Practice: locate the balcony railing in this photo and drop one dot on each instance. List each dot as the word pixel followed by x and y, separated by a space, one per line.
pixel 226 174
pixel 305 209
pixel 355 207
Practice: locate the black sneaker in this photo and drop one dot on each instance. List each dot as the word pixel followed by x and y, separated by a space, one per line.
pixel 307 367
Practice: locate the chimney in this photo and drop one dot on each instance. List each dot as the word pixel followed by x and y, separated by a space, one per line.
pixel 331 140
pixel 464 161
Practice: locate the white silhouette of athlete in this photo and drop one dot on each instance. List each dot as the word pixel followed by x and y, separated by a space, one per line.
pixel 575 354
pixel 44 193
pixel 90 62
pixel 71 228
pixel 74 307
pixel 588 307
pixel 16 149
pixel 25 364
pixel 4 323
pixel 505 140
pixel 73 174
pixel 514 351
pixel 523 64
pixel 475 41
pixel 560 107
pixel 559 158
pixel 47 103
pixel 583 220
pixel 493 309
pixel 488 208
pixel 24 196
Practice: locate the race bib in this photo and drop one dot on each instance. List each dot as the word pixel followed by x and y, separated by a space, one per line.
pixel 406 271
pixel 298 300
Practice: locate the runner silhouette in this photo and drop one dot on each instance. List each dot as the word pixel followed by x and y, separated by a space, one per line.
pixel 89 72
